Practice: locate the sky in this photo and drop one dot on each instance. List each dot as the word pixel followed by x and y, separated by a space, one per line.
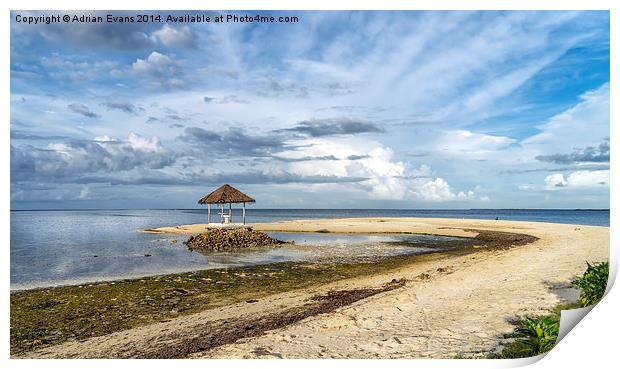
pixel 413 109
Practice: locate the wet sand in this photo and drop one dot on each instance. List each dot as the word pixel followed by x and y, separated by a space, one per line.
pixel 456 306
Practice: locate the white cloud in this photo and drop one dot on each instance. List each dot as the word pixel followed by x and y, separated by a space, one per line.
pixel 438 190
pixel 527 187
pixel 155 64
pixel 145 144
pixel 492 60
pixel 161 69
pixel 581 179
pixel 589 178
pixel 73 160
pixel 375 163
pixel 171 36
pixel 428 78
pixel 65 68
pixel 84 193
pixel 585 124
pixel 485 198
pixel 555 180
pixel 104 138
pixel 422 171
pixel 503 85
pixel 385 177
pixel 461 142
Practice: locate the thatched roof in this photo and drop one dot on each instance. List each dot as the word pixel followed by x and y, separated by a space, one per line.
pixel 224 195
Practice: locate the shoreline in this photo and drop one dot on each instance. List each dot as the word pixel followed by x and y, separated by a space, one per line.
pixel 490 288
pixel 128 277
pixel 454 227
pixel 303 275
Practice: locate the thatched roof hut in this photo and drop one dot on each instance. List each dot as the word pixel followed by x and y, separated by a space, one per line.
pixel 226 194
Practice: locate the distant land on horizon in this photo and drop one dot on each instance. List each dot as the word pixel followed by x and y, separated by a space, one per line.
pixel 319 209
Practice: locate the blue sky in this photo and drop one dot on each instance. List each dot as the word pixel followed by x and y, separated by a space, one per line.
pixel 340 110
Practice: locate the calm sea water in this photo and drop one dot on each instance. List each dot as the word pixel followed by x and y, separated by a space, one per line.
pixel 66 247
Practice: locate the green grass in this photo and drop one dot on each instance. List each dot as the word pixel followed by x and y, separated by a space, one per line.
pixel 593 283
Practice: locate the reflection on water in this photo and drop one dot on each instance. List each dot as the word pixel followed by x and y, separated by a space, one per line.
pixel 342 247
pixel 64 247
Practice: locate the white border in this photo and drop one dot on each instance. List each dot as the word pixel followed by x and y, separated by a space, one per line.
pixel 317 5
pixel 593 343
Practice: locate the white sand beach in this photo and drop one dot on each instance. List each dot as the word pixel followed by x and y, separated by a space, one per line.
pixel 456 306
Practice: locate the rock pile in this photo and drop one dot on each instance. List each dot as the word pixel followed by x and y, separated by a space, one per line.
pixel 229 240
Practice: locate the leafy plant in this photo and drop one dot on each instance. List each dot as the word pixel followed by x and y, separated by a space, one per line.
pixel 536 335
pixel 593 283
pixel 540 333
pixel 533 336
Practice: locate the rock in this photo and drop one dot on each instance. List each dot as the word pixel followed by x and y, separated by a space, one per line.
pixel 230 239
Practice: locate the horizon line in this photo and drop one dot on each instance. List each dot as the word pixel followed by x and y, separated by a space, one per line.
pixel 373 209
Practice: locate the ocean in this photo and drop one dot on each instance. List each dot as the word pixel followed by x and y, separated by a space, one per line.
pixel 50 248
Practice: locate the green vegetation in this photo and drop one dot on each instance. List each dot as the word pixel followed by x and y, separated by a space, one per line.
pixel 544 331
pixel 54 315
pixel 593 283
pixel 533 336
pixel 537 335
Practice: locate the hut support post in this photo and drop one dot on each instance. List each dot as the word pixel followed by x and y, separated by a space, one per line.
pixel 208 213
pixel 230 211
pixel 222 215
pixel 244 213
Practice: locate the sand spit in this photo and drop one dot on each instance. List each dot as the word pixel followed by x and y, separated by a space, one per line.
pixel 448 307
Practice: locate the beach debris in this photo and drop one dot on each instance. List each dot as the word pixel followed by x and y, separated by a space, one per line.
pixel 181 291
pixel 147 255
pixel 424 276
pixel 230 240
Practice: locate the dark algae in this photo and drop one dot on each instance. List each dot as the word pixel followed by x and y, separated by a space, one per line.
pixel 220 332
